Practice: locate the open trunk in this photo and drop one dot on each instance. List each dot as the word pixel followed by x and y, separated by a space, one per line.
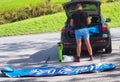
pixel 92 7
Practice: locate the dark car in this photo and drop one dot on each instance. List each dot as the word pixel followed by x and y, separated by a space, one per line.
pixel 100 36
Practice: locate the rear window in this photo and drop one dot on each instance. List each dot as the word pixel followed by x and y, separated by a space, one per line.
pixel 86 7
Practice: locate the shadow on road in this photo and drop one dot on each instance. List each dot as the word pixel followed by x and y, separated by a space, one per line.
pixel 36 59
pixel 46 49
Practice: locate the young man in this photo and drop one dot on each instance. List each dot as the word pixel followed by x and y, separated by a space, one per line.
pixel 80 20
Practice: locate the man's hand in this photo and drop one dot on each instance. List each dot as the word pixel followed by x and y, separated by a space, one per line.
pixel 71 22
pixel 88 21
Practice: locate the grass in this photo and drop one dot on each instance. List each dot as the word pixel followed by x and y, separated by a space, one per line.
pixel 53 23
pixel 49 23
pixel 112 10
pixel 7 5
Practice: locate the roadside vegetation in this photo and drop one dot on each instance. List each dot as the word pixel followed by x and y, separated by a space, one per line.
pixel 54 22
pixel 112 10
pixel 24 9
pixel 6 5
pixel 49 23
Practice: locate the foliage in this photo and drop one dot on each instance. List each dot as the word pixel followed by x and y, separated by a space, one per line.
pixel 49 23
pixel 30 11
pixel 8 5
pixel 112 10
pixel 104 1
pixel 53 23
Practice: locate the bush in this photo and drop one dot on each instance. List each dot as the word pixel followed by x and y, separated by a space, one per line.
pixel 112 0
pixel 104 1
pixel 30 11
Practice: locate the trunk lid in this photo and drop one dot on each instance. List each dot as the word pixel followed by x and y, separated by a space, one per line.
pixel 90 6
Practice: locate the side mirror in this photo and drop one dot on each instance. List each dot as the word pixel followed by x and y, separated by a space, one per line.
pixel 108 20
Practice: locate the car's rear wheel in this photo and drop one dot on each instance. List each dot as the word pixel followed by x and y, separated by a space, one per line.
pixel 69 52
pixel 109 48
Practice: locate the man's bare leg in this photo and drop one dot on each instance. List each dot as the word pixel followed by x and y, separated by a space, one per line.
pixel 78 50
pixel 79 47
pixel 87 42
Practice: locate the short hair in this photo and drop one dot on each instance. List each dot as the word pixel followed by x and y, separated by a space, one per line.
pixel 78 5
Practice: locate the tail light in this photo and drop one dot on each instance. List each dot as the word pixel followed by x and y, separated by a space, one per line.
pixel 68 43
pixel 104 27
pixel 101 41
pixel 63 30
pixel 71 31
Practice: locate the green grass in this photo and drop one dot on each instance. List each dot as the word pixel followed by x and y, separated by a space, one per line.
pixel 6 5
pixel 53 23
pixel 112 10
pixel 49 23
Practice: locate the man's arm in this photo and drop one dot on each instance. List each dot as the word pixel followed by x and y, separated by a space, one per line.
pixel 88 21
pixel 71 22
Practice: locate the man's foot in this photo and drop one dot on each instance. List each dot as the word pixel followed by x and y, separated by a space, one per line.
pixel 77 59
pixel 91 58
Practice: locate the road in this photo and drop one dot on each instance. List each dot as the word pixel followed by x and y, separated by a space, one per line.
pixel 32 50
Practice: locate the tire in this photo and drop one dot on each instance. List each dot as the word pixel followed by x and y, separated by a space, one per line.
pixel 68 52
pixel 65 52
pixel 109 48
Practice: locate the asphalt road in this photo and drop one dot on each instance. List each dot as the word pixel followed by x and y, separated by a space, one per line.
pixel 32 50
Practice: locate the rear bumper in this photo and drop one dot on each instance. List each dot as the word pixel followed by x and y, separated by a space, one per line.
pixel 97 44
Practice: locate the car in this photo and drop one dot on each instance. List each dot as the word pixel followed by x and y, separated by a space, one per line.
pixel 100 37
